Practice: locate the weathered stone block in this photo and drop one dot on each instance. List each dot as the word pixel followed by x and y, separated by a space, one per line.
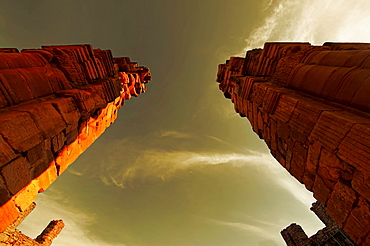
pixel 39 158
pixel 367 240
pixel 6 153
pixel 67 156
pixel 39 154
pixel 283 130
pixel 259 91
pixel 16 174
pixel 71 136
pixel 36 81
pixel 19 130
pixel 261 133
pixel 254 122
pixel 57 142
pixel 330 166
pixel 50 232
pixel 361 183
pixel 47 119
pixel 282 148
pixel 20 60
pixel 285 107
pixel 337 84
pixel 342 85
pixel 321 190
pixel 37 170
pixel 83 99
pixel 319 74
pixel 3 98
pixel 353 228
pixel 307 111
pixel 100 128
pixel 298 75
pixel 361 98
pixel 332 127
pixel 69 111
pixel 309 180
pixel 313 155
pixel 26 196
pixel 267 134
pixel 355 148
pixel 15 86
pixel 97 92
pixel 358 223
pixel 279 157
pixel 348 171
pixel 86 141
pixel 341 202
pixel 4 193
pixel 45 179
pixel 289 153
pixel 56 79
pixel 298 163
pixel 8 214
pixel 273 134
pixel 271 98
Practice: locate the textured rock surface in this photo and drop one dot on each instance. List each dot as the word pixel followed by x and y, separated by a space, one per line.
pixel 311 106
pixel 12 236
pixel 332 234
pixel 54 103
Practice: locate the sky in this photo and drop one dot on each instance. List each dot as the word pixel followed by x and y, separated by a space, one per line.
pixel 178 167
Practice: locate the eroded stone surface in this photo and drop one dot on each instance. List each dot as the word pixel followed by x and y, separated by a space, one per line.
pixel 308 103
pixel 54 103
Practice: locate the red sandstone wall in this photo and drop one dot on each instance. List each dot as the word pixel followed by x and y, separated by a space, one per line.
pixel 16 237
pixel 54 103
pixel 311 106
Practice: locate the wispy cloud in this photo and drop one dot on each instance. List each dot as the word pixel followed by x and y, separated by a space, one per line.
pixel 218 140
pixel 295 188
pixel 314 21
pixel 76 221
pixel 152 165
pixel 267 4
pixel 260 220
pixel 175 134
pixel 73 171
pixel 262 232
pixel 156 164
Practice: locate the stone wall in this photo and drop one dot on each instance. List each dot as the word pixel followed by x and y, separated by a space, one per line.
pixel 331 234
pixel 311 106
pixel 54 103
pixel 13 236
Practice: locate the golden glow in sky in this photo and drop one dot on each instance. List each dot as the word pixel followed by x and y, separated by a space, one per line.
pixel 315 21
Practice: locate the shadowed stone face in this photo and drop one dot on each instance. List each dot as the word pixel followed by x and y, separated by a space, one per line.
pixel 54 103
pixel 312 112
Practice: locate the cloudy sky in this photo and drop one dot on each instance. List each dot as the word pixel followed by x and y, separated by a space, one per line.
pixel 178 167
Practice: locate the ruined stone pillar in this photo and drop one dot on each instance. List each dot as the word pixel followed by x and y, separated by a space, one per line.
pixel 311 105
pixel 54 103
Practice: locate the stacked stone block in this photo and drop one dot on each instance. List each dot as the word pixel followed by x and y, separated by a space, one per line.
pixel 331 234
pixel 54 103
pixel 311 106
pixel 13 236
